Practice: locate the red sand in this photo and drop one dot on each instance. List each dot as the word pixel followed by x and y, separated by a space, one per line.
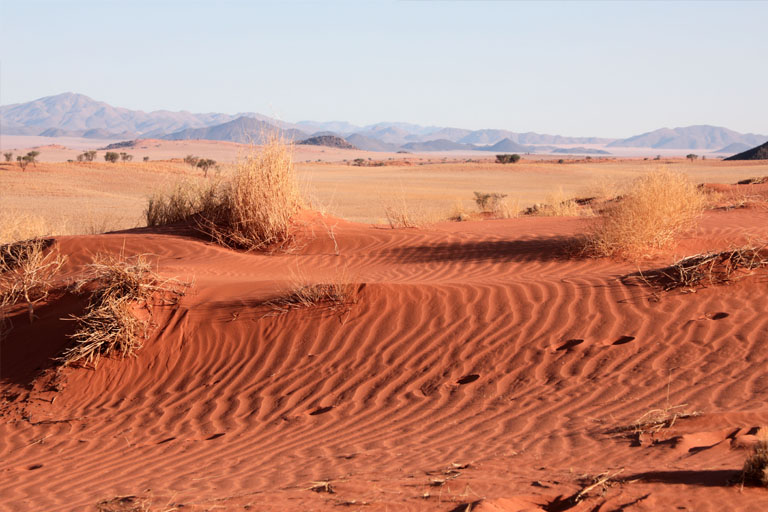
pixel 457 379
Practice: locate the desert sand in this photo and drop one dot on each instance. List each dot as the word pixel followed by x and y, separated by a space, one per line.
pixel 484 366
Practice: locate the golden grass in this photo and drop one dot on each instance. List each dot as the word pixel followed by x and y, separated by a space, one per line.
pixel 182 203
pixel 122 293
pixel 559 205
pixel 27 274
pixel 655 210
pixel 259 202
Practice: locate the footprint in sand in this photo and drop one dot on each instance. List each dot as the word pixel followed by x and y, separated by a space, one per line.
pixel 472 377
pixel 568 345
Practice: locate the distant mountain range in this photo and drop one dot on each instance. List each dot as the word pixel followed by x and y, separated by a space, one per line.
pixel 76 115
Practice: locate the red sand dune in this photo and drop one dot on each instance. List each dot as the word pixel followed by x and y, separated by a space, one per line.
pixel 481 366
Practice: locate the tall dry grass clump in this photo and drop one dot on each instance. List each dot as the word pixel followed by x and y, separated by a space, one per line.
pixel 122 293
pixel 182 203
pixel 655 209
pixel 257 205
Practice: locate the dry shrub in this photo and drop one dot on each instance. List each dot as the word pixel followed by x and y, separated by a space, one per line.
pixel 507 209
pixel 113 322
pixel 399 216
pixel 257 205
pixel 656 208
pixel 756 466
pixel 27 273
pixel 251 210
pixel 710 268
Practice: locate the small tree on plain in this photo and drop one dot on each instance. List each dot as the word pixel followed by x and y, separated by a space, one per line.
pixel 691 157
pixel 358 161
pixel 111 156
pixel 32 157
pixel 81 157
pixel 191 160
pixel 8 156
pixel 89 155
pixel 146 159
pixel 125 157
pixel 205 164
pixel 23 162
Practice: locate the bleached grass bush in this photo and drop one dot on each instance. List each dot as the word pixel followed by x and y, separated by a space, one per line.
pixel 656 208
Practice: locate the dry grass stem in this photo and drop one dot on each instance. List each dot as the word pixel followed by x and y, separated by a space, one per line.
pixel 336 296
pixel 27 274
pixel 117 319
pixel 602 480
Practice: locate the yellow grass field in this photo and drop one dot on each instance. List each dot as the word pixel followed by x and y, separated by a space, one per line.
pixel 86 198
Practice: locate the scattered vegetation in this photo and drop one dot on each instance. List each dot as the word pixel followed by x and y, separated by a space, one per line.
pixel 191 160
pixel 86 156
pixel 122 293
pixel 656 208
pixel 508 159
pixel 691 157
pixel 111 156
pixel 8 156
pixel 27 273
pixel 125 157
pixel 182 203
pixel 708 268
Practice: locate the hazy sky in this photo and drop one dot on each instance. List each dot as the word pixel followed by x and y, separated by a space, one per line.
pixel 573 68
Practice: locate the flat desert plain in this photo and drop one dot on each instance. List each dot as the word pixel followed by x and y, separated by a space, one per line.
pixel 480 365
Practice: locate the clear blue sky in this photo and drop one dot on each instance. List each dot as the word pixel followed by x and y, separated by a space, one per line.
pixel 572 68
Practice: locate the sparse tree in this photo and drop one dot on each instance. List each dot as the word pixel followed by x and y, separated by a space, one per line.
pixel 32 157
pixel 205 164
pixel 691 157
pixel 8 156
pixel 506 159
pixel 191 160
pixel 89 155
pixel 146 159
pixel 80 157
pixel 111 156
pixel 358 161
pixel 125 157
pixel 23 162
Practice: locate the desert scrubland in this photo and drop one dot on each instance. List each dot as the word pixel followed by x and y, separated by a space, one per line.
pixel 339 343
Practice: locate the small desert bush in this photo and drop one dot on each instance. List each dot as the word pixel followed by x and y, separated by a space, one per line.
pixel 655 209
pixel 756 466
pixel 488 201
pixel 122 293
pixel 28 272
pixel 399 213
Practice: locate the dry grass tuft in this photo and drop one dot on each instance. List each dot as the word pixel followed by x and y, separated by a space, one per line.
pixel 117 319
pixel 657 208
pixel 182 203
pixel 336 296
pixel 27 273
pixel 259 202
pixel 711 268
pixel 398 213
pixel 756 466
